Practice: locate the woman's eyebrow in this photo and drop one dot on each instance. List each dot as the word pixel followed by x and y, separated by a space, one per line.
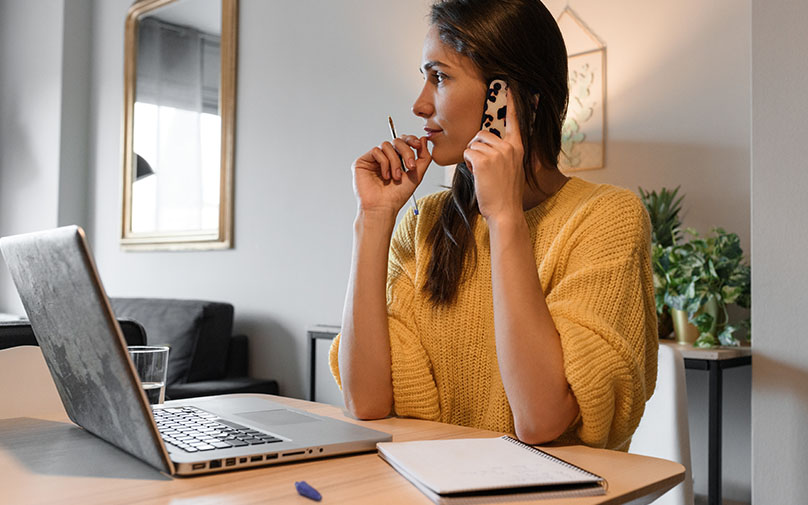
pixel 426 67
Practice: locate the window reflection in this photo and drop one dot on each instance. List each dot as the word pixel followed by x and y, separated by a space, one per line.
pixel 183 149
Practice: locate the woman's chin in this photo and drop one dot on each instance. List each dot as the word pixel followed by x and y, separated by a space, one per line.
pixel 445 159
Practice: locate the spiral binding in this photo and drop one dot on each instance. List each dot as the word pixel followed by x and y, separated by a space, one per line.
pixel 552 458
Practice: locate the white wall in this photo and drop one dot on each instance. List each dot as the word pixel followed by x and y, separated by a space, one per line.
pixel 779 214
pixel 44 93
pixel 75 94
pixel 678 102
pixel 30 104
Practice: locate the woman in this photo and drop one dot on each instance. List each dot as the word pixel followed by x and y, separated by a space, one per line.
pixel 521 300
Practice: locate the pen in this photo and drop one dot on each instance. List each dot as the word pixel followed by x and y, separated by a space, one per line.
pixel 403 166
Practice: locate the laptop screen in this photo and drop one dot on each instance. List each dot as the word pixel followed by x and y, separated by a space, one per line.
pixel 81 341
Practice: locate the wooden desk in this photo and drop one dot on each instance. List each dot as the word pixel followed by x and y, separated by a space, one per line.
pixel 714 361
pixel 47 460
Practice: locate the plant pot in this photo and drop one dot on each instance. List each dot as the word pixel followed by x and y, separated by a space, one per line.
pixel 687 333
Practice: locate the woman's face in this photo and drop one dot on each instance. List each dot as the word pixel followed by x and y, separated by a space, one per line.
pixel 451 101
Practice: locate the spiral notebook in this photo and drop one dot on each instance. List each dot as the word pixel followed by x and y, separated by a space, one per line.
pixel 487 470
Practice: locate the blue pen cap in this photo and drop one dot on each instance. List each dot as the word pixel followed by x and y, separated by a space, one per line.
pixel 304 489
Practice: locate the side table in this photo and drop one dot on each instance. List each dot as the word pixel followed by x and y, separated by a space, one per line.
pixel 714 361
pixel 317 332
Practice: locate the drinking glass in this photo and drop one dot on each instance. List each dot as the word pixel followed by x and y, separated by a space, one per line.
pixel 151 363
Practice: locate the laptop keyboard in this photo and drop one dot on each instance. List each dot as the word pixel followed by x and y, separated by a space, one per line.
pixel 193 430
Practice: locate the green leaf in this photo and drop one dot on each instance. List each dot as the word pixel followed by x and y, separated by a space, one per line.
pixel 663 210
pixel 731 293
pixel 705 340
pixel 675 301
pixel 711 268
pixel 691 289
pixel 692 304
pixel 726 338
pixel 703 322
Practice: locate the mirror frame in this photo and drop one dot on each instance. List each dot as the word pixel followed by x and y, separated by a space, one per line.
pixel 183 240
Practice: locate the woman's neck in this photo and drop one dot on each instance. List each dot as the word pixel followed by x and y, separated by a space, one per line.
pixel 549 182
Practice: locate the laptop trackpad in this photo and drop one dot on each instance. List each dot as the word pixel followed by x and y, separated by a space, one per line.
pixel 277 417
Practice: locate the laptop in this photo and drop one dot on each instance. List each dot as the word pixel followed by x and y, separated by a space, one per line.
pixel 84 348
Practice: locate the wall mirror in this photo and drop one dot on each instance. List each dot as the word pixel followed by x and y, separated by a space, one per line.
pixel 179 111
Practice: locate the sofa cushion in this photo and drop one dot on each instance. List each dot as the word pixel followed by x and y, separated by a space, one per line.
pixel 197 333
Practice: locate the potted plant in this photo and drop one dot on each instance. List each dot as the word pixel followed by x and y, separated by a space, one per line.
pixel 702 277
pixel 663 209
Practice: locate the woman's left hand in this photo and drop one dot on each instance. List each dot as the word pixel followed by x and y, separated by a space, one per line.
pixel 496 164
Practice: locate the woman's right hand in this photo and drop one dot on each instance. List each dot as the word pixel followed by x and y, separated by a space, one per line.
pixel 380 183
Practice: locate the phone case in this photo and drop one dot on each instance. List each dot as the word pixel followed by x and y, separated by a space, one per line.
pixel 495 108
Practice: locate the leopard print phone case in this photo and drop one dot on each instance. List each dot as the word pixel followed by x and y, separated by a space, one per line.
pixel 495 108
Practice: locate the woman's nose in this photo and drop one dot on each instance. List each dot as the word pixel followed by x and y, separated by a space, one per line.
pixel 423 106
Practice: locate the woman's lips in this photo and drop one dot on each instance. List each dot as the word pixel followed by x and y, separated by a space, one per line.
pixel 431 133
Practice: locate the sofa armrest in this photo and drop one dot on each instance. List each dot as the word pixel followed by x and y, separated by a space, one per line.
pixel 237 356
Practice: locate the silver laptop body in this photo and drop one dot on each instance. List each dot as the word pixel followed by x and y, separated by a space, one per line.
pixel 84 348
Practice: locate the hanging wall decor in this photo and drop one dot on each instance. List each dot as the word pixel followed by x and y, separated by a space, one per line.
pixel 584 130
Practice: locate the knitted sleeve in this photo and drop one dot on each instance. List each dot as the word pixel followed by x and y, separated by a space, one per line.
pixel 414 388
pixel 414 391
pixel 602 304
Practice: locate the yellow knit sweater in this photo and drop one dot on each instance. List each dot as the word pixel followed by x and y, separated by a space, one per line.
pixel 592 249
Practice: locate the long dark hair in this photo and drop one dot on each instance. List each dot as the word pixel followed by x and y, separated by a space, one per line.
pixel 520 42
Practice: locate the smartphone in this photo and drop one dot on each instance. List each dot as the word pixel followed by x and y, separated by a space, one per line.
pixel 495 107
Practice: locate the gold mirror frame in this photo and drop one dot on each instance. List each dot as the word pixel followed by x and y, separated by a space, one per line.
pixel 185 240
